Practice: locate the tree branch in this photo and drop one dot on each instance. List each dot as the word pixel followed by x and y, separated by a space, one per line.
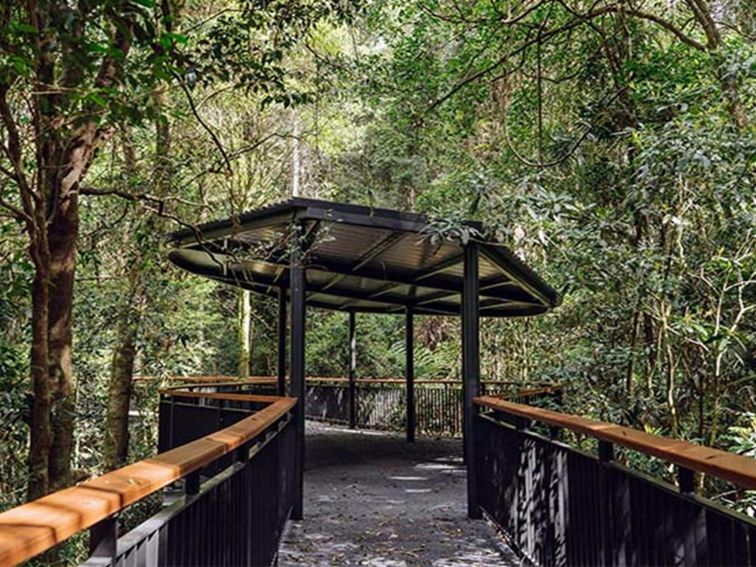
pixel 146 197
pixel 661 22
pixel 15 211
pixel 207 128
pixel 579 19
pixel 14 151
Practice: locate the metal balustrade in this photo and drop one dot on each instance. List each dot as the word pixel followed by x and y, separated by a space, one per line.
pixel 558 505
pixel 230 479
pixel 381 404
pixel 236 516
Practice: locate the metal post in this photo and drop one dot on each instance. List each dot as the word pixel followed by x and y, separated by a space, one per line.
pixel 297 366
pixel 103 538
pixel 606 515
pixel 192 483
pixel 470 369
pixel 409 372
pixel 282 341
pixel 352 371
pixel 606 451
pixel 686 480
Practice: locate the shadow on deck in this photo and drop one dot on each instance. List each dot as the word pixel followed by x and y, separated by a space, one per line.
pixel 373 500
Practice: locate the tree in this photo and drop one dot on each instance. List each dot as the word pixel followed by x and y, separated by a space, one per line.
pixel 63 87
pixel 71 74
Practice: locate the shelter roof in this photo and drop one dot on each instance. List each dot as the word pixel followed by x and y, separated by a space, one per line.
pixel 363 259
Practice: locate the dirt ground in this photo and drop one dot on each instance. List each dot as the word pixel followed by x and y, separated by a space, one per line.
pixel 373 500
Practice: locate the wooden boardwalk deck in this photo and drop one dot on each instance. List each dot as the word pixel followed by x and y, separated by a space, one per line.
pixel 372 500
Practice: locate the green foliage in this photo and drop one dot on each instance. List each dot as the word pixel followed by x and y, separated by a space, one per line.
pixel 621 176
pixel 14 336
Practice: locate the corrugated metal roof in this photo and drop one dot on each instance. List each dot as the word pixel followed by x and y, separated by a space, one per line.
pixel 359 258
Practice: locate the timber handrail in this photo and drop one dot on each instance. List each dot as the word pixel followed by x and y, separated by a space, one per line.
pixel 529 393
pixel 218 384
pixel 203 378
pixel 230 396
pixel 199 381
pixel 378 381
pixel 737 469
pixel 31 529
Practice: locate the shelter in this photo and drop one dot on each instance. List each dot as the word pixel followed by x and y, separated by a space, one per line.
pixel 361 259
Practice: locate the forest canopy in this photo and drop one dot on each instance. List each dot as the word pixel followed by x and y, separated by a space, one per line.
pixel 609 143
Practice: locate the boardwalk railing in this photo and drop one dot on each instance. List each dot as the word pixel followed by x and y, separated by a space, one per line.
pixel 233 457
pixel 381 403
pixel 561 506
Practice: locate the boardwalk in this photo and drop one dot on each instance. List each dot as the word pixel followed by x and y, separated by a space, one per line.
pixel 372 500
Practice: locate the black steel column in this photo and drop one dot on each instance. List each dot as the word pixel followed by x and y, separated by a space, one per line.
pixel 409 372
pixel 470 369
pixel 282 341
pixel 297 366
pixel 352 371
pixel 103 537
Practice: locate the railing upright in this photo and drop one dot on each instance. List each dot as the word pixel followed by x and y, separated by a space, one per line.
pixel 380 404
pixel 233 453
pixel 558 505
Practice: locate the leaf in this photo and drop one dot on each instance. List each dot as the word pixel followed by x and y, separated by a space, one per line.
pixel 23 27
pixel 97 99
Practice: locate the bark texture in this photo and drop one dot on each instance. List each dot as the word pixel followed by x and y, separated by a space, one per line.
pixel 63 156
pixel 40 430
pixel 119 391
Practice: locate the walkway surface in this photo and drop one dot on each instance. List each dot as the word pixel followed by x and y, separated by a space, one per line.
pixel 373 500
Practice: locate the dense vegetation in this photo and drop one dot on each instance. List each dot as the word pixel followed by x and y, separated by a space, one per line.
pixel 609 143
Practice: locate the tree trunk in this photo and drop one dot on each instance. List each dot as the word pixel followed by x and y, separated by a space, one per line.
pixel 163 164
pixel 66 169
pixel 40 432
pixel 119 390
pixel 64 147
pixel 295 155
pixel 649 336
pixel 634 330
pixel 728 84
pixel 63 231
pixel 245 313
pixel 129 316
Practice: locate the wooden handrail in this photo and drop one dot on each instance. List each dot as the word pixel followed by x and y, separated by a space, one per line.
pixel 203 379
pixel 734 468
pixel 529 393
pixel 231 396
pixel 199 381
pixel 377 381
pixel 214 383
pixel 31 529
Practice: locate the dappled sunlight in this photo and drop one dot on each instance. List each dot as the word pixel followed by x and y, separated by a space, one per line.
pixel 374 500
pixel 436 466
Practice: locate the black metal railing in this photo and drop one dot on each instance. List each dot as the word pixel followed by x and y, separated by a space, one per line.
pixel 232 511
pixel 558 505
pixel 184 418
pixel 381 404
